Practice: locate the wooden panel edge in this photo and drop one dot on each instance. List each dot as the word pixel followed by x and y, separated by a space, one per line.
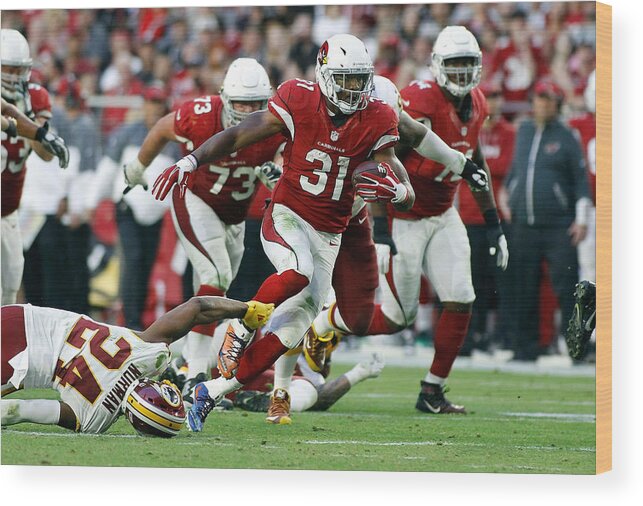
pixel 604 237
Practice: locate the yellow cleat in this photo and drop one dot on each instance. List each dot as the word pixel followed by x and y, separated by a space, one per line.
pixel 316 348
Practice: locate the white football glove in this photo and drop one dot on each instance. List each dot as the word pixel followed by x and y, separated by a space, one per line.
pixel 269 173
pixel 135 174
pixel 501 252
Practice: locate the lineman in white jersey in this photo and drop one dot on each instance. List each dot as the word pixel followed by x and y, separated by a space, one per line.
pixel 91 364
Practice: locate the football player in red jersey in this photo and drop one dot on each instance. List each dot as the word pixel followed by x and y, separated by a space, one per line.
pixel 209 216
pixel 95 366
pixel 331 126
pixel 33 101
pixel 431 238
pixel 355 277
pixel 585 125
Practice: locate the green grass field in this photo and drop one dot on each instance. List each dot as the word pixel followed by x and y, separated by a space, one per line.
pixel 518 423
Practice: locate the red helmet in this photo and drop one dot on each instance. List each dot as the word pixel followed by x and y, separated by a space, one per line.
pixel 154 408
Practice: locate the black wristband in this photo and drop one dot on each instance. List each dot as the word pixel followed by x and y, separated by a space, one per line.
pixel 491 217
pixel 40 133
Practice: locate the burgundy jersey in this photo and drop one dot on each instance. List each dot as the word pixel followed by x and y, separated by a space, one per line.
pixel 497 145
pixel 228 184
pixel 319 157
pixel 434 185
pixel 585 125
pixel 15 151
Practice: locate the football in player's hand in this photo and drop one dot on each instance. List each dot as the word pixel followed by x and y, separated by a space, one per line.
pixel 368 167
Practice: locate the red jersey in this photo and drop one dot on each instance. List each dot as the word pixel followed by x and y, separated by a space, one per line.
pixel 320 157
pixel 15 151
pixel 497 145
pixel 227 185
pixel 434 185
pixel 585 125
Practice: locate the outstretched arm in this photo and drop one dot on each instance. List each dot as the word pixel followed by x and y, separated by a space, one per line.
pixel 202 310
pixel 429 145
pixel 258 126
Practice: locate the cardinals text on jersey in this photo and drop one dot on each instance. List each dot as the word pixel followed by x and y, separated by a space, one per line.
pixel 320 157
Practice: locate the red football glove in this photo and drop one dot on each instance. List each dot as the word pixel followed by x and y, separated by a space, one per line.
pixel 179 173
pixel 387 188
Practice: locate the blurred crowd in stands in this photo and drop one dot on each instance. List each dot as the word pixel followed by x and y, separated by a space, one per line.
pixel 99 64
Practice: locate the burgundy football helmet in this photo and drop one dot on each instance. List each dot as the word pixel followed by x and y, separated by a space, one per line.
pixel 154 408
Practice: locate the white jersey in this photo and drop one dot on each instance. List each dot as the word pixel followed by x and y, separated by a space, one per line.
pixel 91 364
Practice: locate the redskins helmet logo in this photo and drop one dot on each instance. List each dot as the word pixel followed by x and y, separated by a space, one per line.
pixel 170 394
pixel 322 58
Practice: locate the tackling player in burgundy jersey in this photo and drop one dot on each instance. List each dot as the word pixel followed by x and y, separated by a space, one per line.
pixel 209 215
pixel 431 238
pixel 93 365
pixel 332 126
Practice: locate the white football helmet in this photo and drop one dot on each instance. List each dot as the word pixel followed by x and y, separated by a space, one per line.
pixel 14 52
pixel 341 59
pixel 154 408
pixel 386 91
pixel 245 81
pixel 456 60
pixel 590 93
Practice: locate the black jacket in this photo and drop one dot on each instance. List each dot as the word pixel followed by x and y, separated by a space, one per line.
pixel 547 175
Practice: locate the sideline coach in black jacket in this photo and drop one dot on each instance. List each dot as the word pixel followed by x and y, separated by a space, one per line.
pixel 549 201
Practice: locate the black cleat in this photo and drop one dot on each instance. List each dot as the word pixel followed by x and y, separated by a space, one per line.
pixel 583 320
pixel 432 400
pixel 252 400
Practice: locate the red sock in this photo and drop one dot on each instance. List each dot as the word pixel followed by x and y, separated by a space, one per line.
pixel 259 356
pixel 279 287
pixel 379 324
pixel 208 328
pixel 449 337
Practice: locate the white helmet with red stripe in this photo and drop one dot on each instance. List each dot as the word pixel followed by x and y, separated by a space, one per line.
pixel 154 408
